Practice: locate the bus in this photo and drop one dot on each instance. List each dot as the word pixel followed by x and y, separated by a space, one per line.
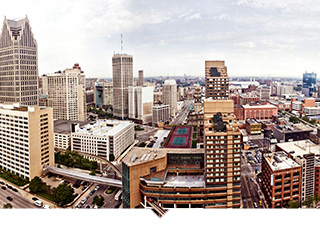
pixel 118 195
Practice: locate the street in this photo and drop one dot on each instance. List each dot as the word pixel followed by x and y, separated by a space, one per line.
pixel 18 200
pixel 183 113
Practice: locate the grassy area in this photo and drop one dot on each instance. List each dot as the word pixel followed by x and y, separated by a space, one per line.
pixel 194 144
pixel 110 190
pixel 194 136
pixel 138 128
pixel 46 195
pixel 14 179
pixel 195 128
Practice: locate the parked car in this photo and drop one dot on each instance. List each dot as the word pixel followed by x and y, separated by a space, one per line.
pixel 3 187
pixel 92 192
pixel 255 204
pixel 97 187
pixel 251 179
pixel 35 199
pixel 38 203
pixel 84 201
pixel 15 190
pixel 46 207
pixel 9 198
pixel 1 182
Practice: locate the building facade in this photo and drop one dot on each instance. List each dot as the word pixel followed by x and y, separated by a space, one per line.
pixel 217 81
pixel 160 113
pixel 18 63
pixel 140 81
pixel 67 94
pixel 140 104
pixel 122 67
pixel 309 84
pixel 222 141
pixel 281 180
pixel 31 146
pixel 170 96
pixel 103 94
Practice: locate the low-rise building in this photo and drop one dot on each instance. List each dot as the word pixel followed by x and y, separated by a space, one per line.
pixel 281 179
pixel 248 98
pixel 292 132
pixel 104 138
pixel 253 127
pixel 62 133
pixel 259 111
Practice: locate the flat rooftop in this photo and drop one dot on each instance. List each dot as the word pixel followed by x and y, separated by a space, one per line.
pixel 293 128
pixel 103 127
pixel 185 181
pixel 64 126
pixel 300 147
pixel 140 155
pixel 280 160
pixel 252 121
pixel 259 106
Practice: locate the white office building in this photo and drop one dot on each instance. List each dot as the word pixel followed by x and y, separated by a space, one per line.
pixel 104 138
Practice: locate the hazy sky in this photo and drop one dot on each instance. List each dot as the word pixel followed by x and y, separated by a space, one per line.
pixel 175 37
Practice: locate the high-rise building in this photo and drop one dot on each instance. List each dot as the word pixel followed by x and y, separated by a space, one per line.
pixel 103 94
pixel 140 104
pixel 170 96
pixel 66 94
pixel 140 82
pixel 217 81
pixel 309 84
pixel 122 66
pixel 263 93
pixel 222 140
pixel 18 63
pixel 160 113
pixel 31 146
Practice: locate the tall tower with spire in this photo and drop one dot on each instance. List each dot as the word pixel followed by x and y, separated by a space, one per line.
pixel 18 63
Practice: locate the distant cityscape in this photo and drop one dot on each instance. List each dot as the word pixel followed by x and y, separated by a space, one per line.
pixel 158 143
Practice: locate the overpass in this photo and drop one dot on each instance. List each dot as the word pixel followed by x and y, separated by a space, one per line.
pixel 83 176
pixel 100 159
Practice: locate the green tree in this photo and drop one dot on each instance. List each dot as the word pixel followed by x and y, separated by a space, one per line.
pixel 7 206
pixel 309 202
pixel 63 194
pixel 93 172
pixel 305 118
pixel 98 200
pixel 36 185
pixel 293 204
pixel 313 121
pixel 294 119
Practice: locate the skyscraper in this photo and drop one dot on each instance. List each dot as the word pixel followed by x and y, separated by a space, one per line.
pixel 170 96
pixel 122 66
pixel 140 82
pixel 217 81
pixel 66 94
pixel 18 63
pixel 309 84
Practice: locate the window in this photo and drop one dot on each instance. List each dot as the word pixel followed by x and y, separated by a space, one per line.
pixel 153 169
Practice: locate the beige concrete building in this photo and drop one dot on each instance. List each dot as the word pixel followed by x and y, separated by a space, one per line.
pixel 157 97
pixel 222 139
pixel 26 139
pixel 140 104
pixel 170 96
pixel 217 81
pixel 66 94
pixel 160 113
pixel 18 63
pixel 122 66
pixel 140 82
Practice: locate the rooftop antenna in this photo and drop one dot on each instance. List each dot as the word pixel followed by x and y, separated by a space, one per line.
pixel 121 44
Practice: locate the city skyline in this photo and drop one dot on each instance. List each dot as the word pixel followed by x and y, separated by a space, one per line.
pixel 255 38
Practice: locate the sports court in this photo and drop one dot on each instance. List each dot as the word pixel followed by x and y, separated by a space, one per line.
pixel 179 137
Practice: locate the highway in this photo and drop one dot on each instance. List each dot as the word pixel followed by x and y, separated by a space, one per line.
pixel 183 113
pixel 18 200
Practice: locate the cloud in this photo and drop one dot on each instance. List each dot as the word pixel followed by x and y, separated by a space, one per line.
pixel 248 44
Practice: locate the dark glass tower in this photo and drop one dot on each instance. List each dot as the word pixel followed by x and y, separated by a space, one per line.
pixel 309 84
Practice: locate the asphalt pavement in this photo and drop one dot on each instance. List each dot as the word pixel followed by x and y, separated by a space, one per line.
pixel 18 200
